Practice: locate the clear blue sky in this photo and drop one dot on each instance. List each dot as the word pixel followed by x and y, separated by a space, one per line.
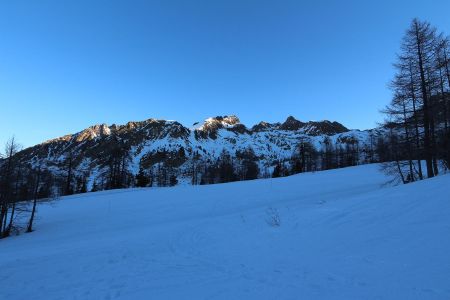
pixel 65 65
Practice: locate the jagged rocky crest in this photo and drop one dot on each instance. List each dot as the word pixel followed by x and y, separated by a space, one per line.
pixel 170 146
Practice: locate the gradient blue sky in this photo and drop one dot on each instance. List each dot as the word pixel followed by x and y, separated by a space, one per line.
pixel 65 65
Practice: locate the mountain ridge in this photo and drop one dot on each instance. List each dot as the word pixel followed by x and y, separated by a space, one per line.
pixel 153 146
pixel 212 123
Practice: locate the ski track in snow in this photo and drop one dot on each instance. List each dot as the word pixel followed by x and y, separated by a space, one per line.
pixel 342 236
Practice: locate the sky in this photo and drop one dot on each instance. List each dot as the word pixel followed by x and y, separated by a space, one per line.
pixel 67 65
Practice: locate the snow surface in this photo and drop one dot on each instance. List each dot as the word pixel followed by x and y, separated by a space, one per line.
pixel 342 235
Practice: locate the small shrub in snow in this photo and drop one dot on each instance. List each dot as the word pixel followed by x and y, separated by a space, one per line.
pixel 273 217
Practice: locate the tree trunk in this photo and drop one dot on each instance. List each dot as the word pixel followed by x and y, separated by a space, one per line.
pixel 11 220
pixel 400 172
pixel 416 124
pixel 410 159
pixel 33 211
pixel 446 63
pixel 69 190
pixel 426 118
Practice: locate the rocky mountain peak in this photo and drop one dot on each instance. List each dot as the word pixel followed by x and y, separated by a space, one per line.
pixel 224 120
pixel 261 126
pixel 324 127
pixel 93 132
pixel 291 123
pixel 211 125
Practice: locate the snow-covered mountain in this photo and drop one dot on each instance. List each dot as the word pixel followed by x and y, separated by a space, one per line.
pixel 170 145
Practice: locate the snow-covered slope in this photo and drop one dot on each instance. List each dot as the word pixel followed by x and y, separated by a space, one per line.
pixel 341 236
